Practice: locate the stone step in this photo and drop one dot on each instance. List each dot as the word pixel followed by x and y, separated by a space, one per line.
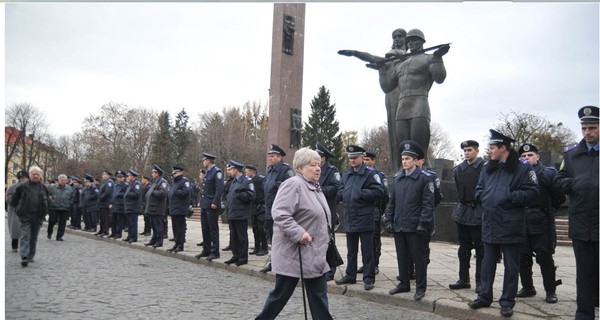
pixel 564 243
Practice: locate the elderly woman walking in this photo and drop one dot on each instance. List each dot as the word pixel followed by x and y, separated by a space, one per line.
pixel 301 217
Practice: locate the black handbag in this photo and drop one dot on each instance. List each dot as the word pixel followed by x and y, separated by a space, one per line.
pixel 333 257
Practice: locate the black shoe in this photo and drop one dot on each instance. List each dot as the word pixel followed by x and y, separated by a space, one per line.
pixel 172 239
pixel 419 295
pixel 253 252
pixel 202 255
pixel 460 284
pixel 345 280
pixel 526 293
pixel 49 236
pixel 262 253
pixel 477 287
pixel 24 263
pixel 230 261
pixel 165 236
pixel 59 239
pixel 266 269
pixel 126 239
pixel 506 311
pixel 369 286
pixel 178 249
pixel 200 244
pixel 551 297
pixel 172 248
pixel 149 244
pixel 241 262
pixel 360 270
pixel 399 288
pixel 212 257
pixel 131 241
pixel 228 248
pixel 157 245
pixel 478 304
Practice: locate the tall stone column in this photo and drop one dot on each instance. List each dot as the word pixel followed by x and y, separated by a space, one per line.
pixel 287 62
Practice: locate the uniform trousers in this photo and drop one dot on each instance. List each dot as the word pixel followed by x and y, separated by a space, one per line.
pixel 116 224
pixel 316 292
pixel 209 221
pixel 104 220
pixel 260 237
pixel 147 224
pixel 157 229
pixel 90 218
pixel 377 242
pixel 125 222
pixel 238 230
pixel 366 247
pixel 510 253
pixel 30 229
pixel 539 245
pixel 165 227
pixel 179 226
pixel 132 221
pixel 469 238
pixel 269 230
pixel 76 217
pixel 411 249
pixel 60 217
pixel 586 262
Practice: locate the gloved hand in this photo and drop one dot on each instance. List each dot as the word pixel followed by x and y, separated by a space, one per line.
pixel 421 231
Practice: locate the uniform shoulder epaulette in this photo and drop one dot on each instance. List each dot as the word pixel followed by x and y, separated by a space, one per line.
pixel 370 169
pixel 569 148
pixel 486 162
pixel 425 172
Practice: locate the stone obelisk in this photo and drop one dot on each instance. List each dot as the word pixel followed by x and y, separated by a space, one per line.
pixel 285 93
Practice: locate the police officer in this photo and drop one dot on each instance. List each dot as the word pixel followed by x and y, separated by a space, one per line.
pixel 578 177
pixel 147 221
pixel 210 203
pixel 104 198
pixel 277 172
pixel 133 204
pixel 240 200
pixel 156 205
pixel 541 229
pixel 360 189
pixel 329 181
pixel 117 205
pixel 75 208
pixel 506 186
pixel 180 203
pixel 261 247
pixel 408 215
pixel 90 204
pixel 467 216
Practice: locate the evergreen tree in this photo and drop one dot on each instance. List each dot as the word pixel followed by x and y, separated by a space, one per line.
pixel 322 126
pixel 162 147
pixel 181 138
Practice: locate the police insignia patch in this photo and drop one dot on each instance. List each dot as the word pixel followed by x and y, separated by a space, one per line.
pixel 351 149
pixel 110 184
pixel 137 187
pixel 385 183
pixel 164 185
pixel 219 175
pixel 587 111
pixel 187 184
pixel 377 178
pixel 431 187
pixel 437 183
pixel 406 146
pixel 290 173
pixel 337 176
pixel 251 186
pixel 532 176
pixel 526 147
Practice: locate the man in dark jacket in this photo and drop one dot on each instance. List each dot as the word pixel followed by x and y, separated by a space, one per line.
pixel 578 177
pixel 240 199
pixel 61 197
pixel 156 205
pixel 104 197
pixel 506 186
pixel 180 203
pixel 75 209
pixel 261 247
pixel 359 190
pixel 31 206
pixel 117 206
pixel 210 205
pixel 409 213
pixel 90 204
pixel 133 204
pixel 147 221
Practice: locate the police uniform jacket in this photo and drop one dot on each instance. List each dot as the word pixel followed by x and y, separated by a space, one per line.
pixel 62 197
pixel 76 196
pixel 330 181
pixel 180 196
pixel 411 201
pixel 133 198
pixel 118 203
pixel 578 177
pixel 540 210
pixel 504 189
pixel 212 188
pixel 105 193
pixel 359 190
pixel 381 204
pixel 90 198
pixel 466 176
pixel 259 196
pixel 276 174
pixel 240 198
pixel 156 197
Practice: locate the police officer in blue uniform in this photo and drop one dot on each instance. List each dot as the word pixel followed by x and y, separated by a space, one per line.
pixel 541 229
pixel 261 247
pixel 210 205
pixel 360 189
pixel 156 206
pixel 506 186
pixel 277 172
pixel 147 221
pixel 408 215
pixel 133 204
pixel 90 204
pixel 329 181
pixel 578 177
pixel 75 205
pixel 467 216
pixel 104 198
pixel 180 204
pixel 240 200
pixel 117 205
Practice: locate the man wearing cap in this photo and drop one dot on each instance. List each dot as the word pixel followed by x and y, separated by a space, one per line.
pixel 14 226
pixel 75 205
pixel 467 216
pixel 156 205
pixel 240 199
pixel 133 205
pixel 277 172
pixel 578 177
pixel 180 203
pixel 360 189
pixel 90 203
pixel 541 230
pixel 117 206
pixel 60 199
pixel 147 231
pixel 261 247
pixel 104 197
pixel 329 180
pixel 408 215
pixel 210 203
pixel 506 186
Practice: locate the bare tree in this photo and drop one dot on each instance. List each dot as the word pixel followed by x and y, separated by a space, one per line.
pixel 440 144
pixel 376 140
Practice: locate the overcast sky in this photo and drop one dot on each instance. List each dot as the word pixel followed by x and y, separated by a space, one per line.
pixel 68 59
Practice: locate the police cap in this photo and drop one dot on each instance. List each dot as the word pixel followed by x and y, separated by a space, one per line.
pixel 276 149
pixel 237 165
pixel 158 169
pixel 132 172
pixel 89 177
pixel 320 148
pixel 208 156
pixel 120 173
pixel 74 179
pixel 22 174
pixel 251 167
pixel 411 148
pixel 528 148
pixel 371 155
pixel 588 114
pixel 355 151
pixel 469 143
pixel 498 138
pixel 107 172
pixel 178 167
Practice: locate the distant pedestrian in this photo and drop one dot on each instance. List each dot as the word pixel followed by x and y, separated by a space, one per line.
pixel 147 231
pixel 76 208
pixel 90 204
pixel 104 197
pixel 61 198
pixel 261 247
pixel 133 205
pixel 117 206
pixel 210 205
pixel 14 226
pixel 180 202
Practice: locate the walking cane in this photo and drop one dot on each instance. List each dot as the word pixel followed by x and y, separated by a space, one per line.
pixel 302 279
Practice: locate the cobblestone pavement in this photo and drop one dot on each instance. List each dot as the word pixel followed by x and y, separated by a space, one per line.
pixel 82 278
